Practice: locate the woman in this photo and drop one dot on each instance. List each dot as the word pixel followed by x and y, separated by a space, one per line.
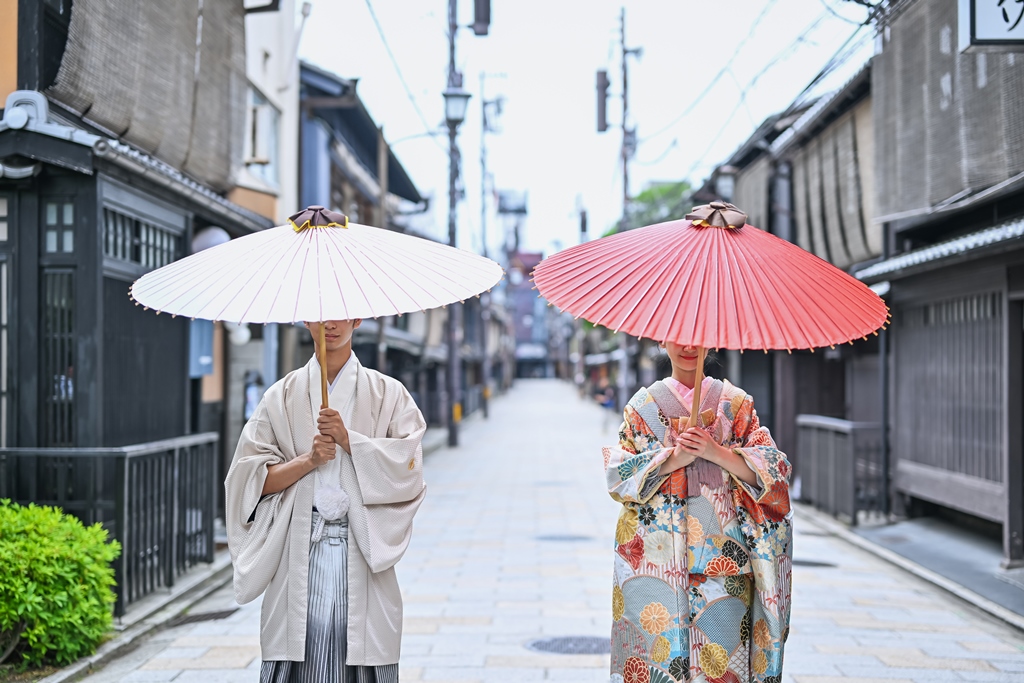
pixel 702 563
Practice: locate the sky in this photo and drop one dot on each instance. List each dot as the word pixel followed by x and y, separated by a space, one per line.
pixel 542 57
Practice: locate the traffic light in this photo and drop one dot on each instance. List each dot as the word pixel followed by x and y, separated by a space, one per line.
pixel 583 223
pixel 602 101
pixel 481 16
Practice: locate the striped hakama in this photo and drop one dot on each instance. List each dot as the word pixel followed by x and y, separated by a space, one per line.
pixel 327 618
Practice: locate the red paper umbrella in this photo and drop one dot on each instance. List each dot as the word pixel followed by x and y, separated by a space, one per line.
pixel 710 281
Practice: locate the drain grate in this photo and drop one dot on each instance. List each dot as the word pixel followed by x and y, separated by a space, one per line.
pixel 183 619
pixel 565 538
pixel 571 645
pixel 812 563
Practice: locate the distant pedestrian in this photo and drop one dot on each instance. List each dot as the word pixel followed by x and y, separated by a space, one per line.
pixel 702 565
pixel 306 480
pixel 605 397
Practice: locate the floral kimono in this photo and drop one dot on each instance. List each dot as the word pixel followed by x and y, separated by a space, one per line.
pixel 702 567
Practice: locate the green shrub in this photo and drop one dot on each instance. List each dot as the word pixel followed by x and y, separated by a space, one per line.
pixel 55 583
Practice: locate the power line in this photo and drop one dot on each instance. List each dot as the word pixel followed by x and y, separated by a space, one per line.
pixel 398 70
pixel 714 81
pixel 837 59
pixel 837 15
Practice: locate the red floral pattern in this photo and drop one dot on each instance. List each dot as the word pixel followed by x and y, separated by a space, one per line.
pixel 721 566
pixel 635 671
pixel 633 552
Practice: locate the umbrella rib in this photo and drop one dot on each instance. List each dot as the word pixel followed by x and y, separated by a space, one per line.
pixel 341 290
pixel 221 275
pixel 256 296
pixel 355 278
pixel 199 260
pixel 253 273
pixel 755 256
pixel 398 256
pixel 277 294
pixel 746 286
pixel 433 267
pixel 665 256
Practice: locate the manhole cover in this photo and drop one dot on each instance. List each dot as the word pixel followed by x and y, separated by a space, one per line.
pixel 200 616
pixel 572 645
pixel 571 538
pixel 812 563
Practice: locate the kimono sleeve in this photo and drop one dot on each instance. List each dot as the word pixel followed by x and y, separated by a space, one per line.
pixel 753 442
pixel 631 468
pixel 253 537
pixel 764 516
pixel 390 469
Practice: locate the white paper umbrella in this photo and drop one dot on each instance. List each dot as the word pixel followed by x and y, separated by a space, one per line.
pixel 319 267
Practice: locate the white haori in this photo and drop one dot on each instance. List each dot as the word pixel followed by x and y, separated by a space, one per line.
pixel 269 539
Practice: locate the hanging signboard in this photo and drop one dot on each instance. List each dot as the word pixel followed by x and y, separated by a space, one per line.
pixel 991 25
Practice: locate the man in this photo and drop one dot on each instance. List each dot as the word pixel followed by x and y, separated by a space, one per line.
pixel 319 511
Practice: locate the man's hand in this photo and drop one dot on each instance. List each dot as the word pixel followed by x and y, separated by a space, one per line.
pixel 323 450
pixel 330 424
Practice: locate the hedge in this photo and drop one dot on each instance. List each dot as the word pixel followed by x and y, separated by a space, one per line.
pixel 56 585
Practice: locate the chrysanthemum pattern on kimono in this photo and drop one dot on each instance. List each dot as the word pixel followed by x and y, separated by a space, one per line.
pixel 702 583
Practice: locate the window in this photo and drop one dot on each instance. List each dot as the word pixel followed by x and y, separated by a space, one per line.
pixel 57 357
pixel 261 156
pixel 3 219
pixel 4 350
pixel 130 239
pixel 59 227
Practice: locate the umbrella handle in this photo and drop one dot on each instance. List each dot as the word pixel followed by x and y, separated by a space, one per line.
pixel 324 399
pixel 698 382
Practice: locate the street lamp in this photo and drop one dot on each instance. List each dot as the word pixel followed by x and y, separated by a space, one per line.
pixel 456 102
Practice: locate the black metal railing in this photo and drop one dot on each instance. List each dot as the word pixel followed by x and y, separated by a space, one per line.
pixel 840 465
pixel 157 499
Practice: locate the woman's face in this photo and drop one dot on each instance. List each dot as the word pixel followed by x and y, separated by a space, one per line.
pixel 683 357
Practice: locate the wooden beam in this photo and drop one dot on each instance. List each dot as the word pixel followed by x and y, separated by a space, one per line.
pixel 974 495
pixel 344 102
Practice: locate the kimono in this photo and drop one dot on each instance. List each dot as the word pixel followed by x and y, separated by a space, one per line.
pixel 271 537
pixel 702 570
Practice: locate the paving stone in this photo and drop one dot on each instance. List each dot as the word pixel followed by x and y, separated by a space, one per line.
pixel 478 585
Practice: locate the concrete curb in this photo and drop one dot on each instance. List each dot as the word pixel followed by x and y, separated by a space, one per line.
pixel 841 531
pixel 219 574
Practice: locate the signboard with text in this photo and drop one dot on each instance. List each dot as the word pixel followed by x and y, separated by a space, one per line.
pixel 991 25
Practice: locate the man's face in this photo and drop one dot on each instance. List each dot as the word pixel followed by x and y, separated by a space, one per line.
pixel 337 333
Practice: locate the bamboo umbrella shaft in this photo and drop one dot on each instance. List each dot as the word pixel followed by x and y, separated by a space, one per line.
pixel 324 399
pixel 698 381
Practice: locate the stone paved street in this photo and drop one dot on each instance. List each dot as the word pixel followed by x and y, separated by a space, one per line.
pixel 513 544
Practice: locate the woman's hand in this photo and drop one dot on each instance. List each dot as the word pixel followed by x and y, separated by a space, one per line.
pixel 698 443
pixel 323 450
pixel 679 457
pixel 330 424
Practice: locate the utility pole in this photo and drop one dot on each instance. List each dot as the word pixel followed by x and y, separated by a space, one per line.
pixel 485 300
pixel 628 134
pixel 628 149
pixel 454 336
pixel 382 222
